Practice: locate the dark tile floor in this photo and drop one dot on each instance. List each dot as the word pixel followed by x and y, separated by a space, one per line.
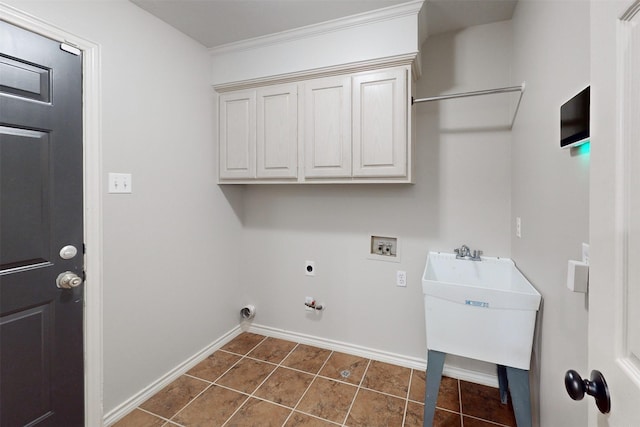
pixel 260 381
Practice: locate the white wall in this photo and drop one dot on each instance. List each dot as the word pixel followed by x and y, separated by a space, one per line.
pixel 173 258
pixel 394 31
pixel 170 248
pixel 550 192
pixel 461 195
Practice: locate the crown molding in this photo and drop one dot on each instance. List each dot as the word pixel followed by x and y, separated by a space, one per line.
pixel 384 14
pixel 353 67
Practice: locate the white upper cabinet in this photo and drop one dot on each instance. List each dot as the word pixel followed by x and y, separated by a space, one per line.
pixel 237 125
pixel 259 133
pixel 327 128
pixel 380 104
pixel 277 132
pixel 348 126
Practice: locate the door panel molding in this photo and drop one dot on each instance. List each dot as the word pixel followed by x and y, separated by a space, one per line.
pixel 34 84
pixel 628 351
pixel 37 366
pixel 92 146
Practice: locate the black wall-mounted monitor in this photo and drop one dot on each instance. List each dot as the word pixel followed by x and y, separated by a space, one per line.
pixel 574 120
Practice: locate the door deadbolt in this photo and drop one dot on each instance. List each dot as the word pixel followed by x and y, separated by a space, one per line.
pixel 68 252
pixel 68 280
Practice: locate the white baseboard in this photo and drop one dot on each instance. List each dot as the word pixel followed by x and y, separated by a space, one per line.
pixel 470 376
pixel 374 354
pixel 134 401
pixel 356 350
pixel 384 356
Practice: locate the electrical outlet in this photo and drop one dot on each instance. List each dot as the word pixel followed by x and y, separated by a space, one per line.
pixel 401 278
pixel 310 268
pixel 385 246
pixel 120 183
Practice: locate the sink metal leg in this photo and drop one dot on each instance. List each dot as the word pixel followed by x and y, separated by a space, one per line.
pixel 435 363
pixel 503 384
pixel 518 380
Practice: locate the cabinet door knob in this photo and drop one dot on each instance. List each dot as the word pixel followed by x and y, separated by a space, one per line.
pixel 596 386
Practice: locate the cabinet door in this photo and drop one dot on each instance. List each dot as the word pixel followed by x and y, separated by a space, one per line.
pixel 237 135
pixel 277 132
pixel 327 127
pixel 380 124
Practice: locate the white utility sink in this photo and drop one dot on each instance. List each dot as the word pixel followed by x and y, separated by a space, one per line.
pixel 483 310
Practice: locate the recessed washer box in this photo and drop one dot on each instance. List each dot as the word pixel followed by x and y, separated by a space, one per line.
pixel 384 248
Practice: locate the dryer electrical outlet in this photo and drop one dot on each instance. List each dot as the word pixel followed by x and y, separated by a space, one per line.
pixel 310 268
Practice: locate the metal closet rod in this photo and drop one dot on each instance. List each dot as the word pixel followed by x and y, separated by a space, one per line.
pixel 520 89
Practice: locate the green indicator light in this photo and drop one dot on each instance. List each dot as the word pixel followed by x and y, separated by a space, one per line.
pixel 585 148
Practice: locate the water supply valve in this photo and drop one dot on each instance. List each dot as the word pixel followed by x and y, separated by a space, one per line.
pixel 311 304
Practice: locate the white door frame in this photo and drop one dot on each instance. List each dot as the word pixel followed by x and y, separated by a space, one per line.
pixel 92 146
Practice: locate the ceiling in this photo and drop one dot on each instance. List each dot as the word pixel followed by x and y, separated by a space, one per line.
pixel 218 22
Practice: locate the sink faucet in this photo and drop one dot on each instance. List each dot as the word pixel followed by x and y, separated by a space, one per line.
pixel 463 252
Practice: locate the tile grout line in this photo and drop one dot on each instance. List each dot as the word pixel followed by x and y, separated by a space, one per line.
pixel 250 395
pixel 308 387
pixel 462 415
pixel 242 357
pixel 166 420
pixel 279 365
pixel 387 394
pixel 312 416
pixel 488 421
pixel 406 402
pixel 186 404
pixel 364 374
pixel 460 402
pixel 192 400
pixel 448 410
pixel 211 384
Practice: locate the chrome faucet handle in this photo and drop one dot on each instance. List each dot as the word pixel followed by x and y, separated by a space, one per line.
pixel 476 255
pixel 462 252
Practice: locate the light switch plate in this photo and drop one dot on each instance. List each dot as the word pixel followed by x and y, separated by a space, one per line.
pixel 120 183
pixel 585 253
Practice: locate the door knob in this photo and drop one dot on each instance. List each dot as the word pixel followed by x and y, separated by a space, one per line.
pixel 68 280
pixel 596 387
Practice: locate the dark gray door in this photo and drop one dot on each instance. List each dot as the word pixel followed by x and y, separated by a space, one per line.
pixel 41 325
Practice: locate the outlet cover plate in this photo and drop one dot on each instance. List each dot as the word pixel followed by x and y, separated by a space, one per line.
pixel 310 268
pixel 401 278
